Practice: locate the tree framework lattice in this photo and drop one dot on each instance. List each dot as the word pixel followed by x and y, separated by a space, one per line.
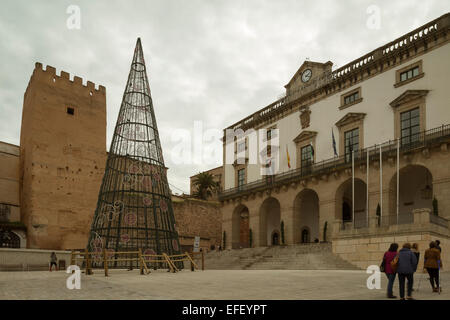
pixel 134 209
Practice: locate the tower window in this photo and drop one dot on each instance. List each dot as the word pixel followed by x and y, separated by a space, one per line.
pixel 70 111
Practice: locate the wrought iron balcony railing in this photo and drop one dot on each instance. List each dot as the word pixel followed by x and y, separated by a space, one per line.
pixel 407 144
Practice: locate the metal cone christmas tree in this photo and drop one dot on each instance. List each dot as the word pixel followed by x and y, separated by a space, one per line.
pixel 134 208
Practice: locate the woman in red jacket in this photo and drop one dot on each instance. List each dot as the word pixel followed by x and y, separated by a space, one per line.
pixel 387 258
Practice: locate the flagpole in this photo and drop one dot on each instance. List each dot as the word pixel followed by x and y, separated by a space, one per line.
pixel 381 186
pixel 398 176
pixel 367 189
pixel 353 187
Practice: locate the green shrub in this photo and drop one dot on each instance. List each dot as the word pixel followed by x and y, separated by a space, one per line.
pixel 435 206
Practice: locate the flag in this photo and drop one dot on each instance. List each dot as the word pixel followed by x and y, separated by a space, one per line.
pixel 288 158
pixel 312 150
pixel 334 143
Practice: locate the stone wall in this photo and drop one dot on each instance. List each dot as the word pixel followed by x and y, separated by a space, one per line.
pixel 195 217
pixel 29 259
pixel 366 251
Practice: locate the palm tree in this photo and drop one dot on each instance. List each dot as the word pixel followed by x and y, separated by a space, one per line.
pixel 205 185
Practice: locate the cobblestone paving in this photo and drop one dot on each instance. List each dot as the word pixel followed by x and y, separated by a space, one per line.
pixel 209 284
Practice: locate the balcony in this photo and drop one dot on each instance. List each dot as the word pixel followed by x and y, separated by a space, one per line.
pixel 418 220
pixel 424 139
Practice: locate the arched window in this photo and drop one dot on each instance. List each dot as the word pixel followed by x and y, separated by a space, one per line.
pixel 9 239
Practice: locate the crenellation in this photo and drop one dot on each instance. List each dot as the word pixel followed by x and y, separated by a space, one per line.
pixel 90 85
pixel 102 89
pixel 77 80
pixel 65 75
pixel 49 74
pixel 50 70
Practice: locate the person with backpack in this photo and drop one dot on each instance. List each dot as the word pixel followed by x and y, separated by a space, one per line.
pixel 405 264
pixel 386 268
pixel 432 263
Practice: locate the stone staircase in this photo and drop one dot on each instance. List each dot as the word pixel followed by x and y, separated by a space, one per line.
pixel 293 257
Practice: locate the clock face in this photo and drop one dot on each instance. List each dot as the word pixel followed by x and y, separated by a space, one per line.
pixel 306 75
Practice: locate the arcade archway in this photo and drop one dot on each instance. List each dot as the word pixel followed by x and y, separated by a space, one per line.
pixel 269 214
pixel 306 216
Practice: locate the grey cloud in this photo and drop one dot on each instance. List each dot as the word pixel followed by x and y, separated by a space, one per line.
pixel 216 61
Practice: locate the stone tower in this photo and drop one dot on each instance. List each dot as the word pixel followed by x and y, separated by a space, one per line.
pixel 63 154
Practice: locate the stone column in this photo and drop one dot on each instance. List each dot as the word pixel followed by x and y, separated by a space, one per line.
pixel 287 216
pixel 254 222
pixel 227 223
pixel 327 213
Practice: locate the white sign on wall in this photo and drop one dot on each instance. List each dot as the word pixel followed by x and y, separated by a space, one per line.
pixel 197 244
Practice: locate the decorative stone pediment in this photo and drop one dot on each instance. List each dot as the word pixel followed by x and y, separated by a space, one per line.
pixel 243 161
pixel 316 67
pixel 305 135
pixel 408 96
pixel 350 117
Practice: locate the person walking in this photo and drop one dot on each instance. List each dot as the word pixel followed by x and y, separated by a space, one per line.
pixel 390 273
pixel 407 263
pixel 53 260
pixel 415 250
pixel 432 264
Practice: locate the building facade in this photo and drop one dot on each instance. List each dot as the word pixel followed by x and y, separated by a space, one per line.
pixel 394 97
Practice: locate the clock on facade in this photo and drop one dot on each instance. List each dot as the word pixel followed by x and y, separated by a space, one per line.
pixel 306 75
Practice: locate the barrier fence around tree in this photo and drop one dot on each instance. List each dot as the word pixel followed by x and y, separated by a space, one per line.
pixel 110 259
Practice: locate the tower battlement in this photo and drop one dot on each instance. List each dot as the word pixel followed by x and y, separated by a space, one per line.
pixel 49 74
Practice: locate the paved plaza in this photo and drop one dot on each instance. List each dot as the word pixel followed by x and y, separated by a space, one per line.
pixel 209 284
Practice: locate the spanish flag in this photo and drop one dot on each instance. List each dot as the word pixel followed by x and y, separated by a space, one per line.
pixel 288 159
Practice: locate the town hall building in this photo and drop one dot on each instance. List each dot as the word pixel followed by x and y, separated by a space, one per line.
pixel 345 143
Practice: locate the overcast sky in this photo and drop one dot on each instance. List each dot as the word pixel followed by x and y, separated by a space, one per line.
pixel 211 61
